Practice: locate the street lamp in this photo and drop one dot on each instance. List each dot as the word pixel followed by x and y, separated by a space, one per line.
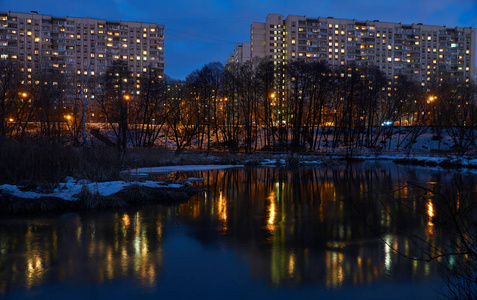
pixel 431 99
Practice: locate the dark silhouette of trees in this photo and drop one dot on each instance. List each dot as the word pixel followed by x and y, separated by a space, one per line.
pixel 258 105
pixel 146 109
pixel 117 92
pixel 182 119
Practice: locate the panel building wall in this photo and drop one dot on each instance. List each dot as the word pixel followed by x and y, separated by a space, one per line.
pixel 422 52
pixel 72 45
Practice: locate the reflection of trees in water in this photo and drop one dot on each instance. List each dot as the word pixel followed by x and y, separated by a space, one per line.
pixel 307 225
pixel 451 211
pixel 54 250
pixel 350 225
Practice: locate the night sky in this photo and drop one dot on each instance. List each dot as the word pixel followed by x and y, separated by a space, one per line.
pixel 199 32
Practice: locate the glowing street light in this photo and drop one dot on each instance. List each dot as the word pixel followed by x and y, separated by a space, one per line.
pixel 431 99
pixel 273 95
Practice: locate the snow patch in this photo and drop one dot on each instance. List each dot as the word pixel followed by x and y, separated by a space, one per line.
pixel 69 189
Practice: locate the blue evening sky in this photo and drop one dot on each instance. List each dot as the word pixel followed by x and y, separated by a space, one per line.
pixel 199 32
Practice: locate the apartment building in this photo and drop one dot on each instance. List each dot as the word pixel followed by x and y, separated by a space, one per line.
pixel 241 53
pixel 422 52
pixel 75 45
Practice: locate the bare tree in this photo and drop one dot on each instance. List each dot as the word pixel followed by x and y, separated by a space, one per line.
pixel 146 109
pixel 182 119
pixel 117 90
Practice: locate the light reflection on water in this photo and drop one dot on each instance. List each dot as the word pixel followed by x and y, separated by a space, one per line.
pixel 301 229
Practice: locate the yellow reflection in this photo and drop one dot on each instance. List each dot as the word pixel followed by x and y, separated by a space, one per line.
pixel 34 270
pixel 291 265
pixel 159 229
pixel 126 220
pixel 272 211
pixel 334 269
pixel 222 209
pixel 109 264
pixel 430 214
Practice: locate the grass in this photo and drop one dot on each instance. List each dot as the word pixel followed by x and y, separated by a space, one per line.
pixel 40 162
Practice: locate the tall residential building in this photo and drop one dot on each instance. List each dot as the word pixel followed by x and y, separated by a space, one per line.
pixel 241 53
pixel 74 45
pixel 422 52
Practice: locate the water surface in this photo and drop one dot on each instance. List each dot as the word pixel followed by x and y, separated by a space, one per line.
pixel 266 233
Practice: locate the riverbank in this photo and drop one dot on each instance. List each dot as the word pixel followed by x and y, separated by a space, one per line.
pixel 13 201
pixel 76 195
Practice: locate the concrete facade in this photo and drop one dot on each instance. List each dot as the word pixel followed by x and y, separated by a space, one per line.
pixel 422 52
pixel 241 53
pixel 72 45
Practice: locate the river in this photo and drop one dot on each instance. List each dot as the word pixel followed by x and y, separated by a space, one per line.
pixel 352 231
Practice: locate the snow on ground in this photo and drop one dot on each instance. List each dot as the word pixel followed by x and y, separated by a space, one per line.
pixel 168 169
pixel 71 187
pixel 68 190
